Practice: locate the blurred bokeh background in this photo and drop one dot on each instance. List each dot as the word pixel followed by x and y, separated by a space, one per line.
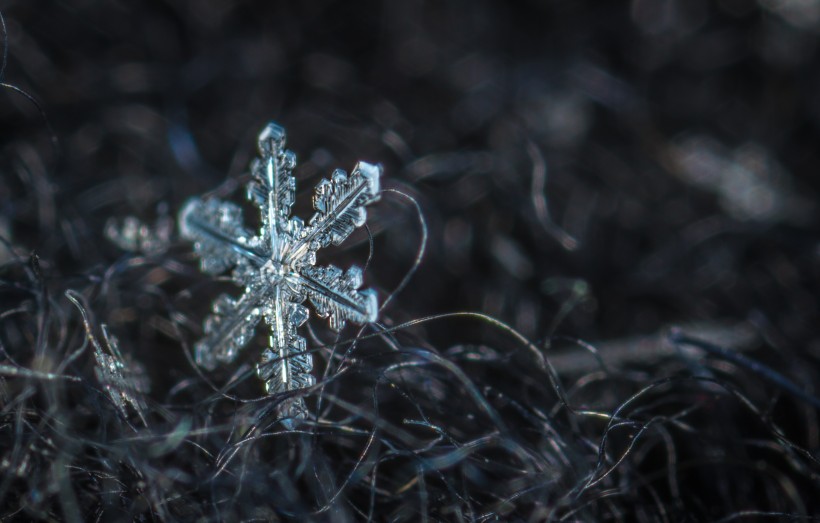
pixel 662 151
pixel 593 170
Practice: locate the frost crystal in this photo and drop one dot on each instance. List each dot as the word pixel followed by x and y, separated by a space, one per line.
pixel 124 381
pixel 278 267
pixel 133 235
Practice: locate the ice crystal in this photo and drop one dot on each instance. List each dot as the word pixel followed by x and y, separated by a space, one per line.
pixel 133 235
pixel 277 267
pixel 124 381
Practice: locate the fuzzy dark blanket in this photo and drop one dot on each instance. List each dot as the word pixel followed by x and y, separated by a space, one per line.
pixel 595 254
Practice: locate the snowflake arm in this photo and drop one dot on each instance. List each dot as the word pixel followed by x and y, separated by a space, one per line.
pixel 340 208
pixel 220 240
pixel 285 365
pixel 228 328
pixel 335 295
pixel 273 188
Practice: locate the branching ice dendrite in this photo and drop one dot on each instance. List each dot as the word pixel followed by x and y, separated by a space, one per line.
pixel 277 267
pixel 124 381
pixel 133 235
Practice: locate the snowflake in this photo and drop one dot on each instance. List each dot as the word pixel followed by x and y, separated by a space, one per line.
pixel 135 236
pixel 125 381
pixel 277 267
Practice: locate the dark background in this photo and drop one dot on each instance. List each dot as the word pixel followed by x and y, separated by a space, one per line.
pixel 589 170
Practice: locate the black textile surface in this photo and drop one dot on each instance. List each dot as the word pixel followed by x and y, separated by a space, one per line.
pixel 564 180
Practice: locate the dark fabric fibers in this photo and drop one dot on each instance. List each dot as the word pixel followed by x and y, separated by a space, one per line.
pixel 589 175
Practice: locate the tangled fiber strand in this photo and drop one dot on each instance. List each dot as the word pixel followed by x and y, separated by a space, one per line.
pixel 565 181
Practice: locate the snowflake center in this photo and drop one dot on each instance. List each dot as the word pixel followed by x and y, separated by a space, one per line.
pixel 273 271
